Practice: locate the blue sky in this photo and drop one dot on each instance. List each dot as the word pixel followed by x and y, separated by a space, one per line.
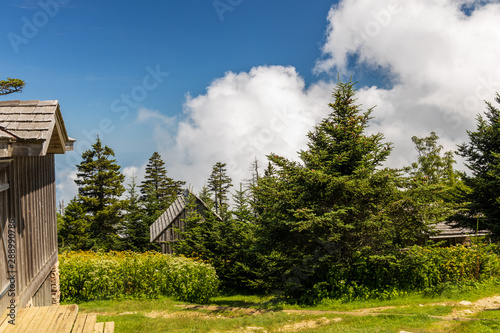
pixel 230 80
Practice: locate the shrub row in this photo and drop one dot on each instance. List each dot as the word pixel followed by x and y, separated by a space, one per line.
pixel 420 269
pixel 90 276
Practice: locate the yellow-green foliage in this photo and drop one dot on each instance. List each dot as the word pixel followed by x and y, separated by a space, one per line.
pixel 431 266
pixel 90 276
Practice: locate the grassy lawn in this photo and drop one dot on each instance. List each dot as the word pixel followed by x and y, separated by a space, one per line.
pixel 412 313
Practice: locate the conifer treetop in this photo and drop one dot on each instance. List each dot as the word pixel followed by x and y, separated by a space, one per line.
pixel 338 144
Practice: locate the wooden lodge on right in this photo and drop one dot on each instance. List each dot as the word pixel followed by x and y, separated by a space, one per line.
pixel 452 235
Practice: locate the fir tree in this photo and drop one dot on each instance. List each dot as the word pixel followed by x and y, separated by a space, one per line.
pixel 318 218
pixel 482 155
pixel 136 228
pixel 225 244
pixel 73 228
pixel 219 183
pixel 242 211
pixel 157 190
pixel 100 187
pixel 205 195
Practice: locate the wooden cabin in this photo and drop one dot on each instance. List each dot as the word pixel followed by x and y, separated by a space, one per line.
pixel 31 132
pixel 452 235
pixel 165 229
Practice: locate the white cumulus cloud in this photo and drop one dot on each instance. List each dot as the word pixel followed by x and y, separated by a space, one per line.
pixel 441 60
pixel 241 116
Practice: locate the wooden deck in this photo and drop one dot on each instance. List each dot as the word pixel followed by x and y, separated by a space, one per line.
pixel 54 319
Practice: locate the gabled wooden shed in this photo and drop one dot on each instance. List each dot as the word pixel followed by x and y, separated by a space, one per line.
pixel 164 229
pixel 31 132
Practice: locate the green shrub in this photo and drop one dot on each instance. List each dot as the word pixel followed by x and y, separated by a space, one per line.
pixel 430 270
pixel 90 276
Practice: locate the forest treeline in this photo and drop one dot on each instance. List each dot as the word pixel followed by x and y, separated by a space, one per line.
pixel 335 221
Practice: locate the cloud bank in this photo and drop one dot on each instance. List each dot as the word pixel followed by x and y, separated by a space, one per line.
pixel 440 58
pixel 241 117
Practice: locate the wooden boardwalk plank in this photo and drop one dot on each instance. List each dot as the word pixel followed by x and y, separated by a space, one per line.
pixel 109 327
pixel 8 328
pixel 79 323
pixel 99 328
pixel 54 319
pixel 27 319
pixel 3 317
pixel 58 318
pixel 37 321
pixel 47 319
pixel 68 319
pixel 89 324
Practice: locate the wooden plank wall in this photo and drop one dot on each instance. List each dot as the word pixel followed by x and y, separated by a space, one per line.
pixel 169 236
pixel 3 221
pixel 43 296
pixel 32 203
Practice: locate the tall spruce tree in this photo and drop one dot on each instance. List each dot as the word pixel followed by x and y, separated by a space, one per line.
pixel 317 219
pixel 219 183
pixel 158 190
pixel 482 155
pixel 100 188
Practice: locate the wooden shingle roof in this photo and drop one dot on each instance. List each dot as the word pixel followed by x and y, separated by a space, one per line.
pixel 175 209
pixel 447 231
pixel 36 125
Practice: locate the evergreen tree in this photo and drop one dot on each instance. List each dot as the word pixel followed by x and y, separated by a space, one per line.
pixel 318 219
pixel 136 228
pixel 10 86
pixel 100 187
pixel 205 195
pixel 219 183
pixel 73 228
pixel 225 244
pixel 242 211
pixel 157 190
pixel 482 155
pixel 252 187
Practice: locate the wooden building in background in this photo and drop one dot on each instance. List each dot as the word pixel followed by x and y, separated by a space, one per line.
pixel 452 235
pixel 165 229
pixel 31 132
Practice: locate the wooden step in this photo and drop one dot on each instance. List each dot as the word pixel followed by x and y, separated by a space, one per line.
pixel 54 319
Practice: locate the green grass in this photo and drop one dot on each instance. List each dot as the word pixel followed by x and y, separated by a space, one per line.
pixel 412 313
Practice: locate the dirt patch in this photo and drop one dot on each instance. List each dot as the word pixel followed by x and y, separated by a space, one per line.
pixel 467 308
pixel 307 324
pixel 184 314
pixel 295 327
pixel 379 309
pixel 248 311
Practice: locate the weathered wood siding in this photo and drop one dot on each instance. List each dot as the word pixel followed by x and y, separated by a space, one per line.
pixel 31 202
pixel 170 235
pixel 43 296
pixel 4 184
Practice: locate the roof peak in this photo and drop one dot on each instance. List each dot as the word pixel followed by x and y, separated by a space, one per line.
pixel 29 103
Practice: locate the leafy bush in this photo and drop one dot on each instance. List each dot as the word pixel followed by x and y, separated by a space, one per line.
pixel 88 276
pixel 431 270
